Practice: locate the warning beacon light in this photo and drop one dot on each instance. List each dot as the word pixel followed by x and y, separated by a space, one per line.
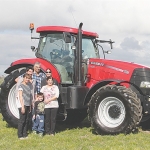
pixel 31 27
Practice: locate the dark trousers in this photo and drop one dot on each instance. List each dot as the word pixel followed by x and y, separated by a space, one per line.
pixel 38 124
pixel 50 120
pixel 23 122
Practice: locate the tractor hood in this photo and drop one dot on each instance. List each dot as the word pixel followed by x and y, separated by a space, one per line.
pixel 101 69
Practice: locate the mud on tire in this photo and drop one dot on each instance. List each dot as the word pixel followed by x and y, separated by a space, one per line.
pixel 114 109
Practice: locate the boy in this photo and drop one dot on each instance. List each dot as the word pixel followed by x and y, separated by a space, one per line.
pixel 38 115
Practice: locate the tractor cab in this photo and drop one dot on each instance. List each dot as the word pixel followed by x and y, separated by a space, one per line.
pixel 53 47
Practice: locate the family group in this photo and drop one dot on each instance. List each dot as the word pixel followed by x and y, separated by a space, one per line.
pixel 37 94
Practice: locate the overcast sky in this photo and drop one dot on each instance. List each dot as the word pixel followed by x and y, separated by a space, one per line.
pixel 126 22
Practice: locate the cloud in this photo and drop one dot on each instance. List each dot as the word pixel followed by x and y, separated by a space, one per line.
pixel 125 22
pixel 13 47
pixel 131 50
pixel 130 43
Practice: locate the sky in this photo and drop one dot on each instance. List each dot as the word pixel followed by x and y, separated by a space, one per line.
pixel 126 22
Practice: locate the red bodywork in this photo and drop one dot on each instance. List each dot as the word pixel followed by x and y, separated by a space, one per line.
pixel 102 69
pixel 98 69
pixel 64 29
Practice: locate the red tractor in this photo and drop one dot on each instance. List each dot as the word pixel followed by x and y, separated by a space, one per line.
pixel 114 94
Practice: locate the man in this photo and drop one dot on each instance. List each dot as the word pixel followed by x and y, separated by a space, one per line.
pixel 37 76
pixel 29 70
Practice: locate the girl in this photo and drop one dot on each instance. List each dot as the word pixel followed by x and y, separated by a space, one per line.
pixel 25 98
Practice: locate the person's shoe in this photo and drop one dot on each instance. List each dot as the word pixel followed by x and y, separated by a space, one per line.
pixel 41 134
pixel 21 138
pixel 52 135
pixel 25 137
pixel 34 132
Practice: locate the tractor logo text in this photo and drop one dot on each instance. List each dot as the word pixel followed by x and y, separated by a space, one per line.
pixel 108 66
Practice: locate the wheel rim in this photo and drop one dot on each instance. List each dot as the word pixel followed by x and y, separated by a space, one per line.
pixel 111 112
pixel 12 102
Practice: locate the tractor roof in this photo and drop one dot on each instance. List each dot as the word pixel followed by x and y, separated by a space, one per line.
pixel 64 29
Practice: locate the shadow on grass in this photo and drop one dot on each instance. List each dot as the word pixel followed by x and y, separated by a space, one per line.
pixel 61 126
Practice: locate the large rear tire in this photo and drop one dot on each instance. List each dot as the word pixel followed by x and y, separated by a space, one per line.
pixel 9 108
pixel 114 109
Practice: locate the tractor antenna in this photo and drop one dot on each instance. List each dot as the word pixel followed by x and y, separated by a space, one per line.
pixel 73 18
pixel 70 10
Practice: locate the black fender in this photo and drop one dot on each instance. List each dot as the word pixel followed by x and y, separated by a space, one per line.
pixel 15 67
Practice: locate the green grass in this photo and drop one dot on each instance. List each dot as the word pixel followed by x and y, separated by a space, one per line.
pixel 67 138
pixel 72 138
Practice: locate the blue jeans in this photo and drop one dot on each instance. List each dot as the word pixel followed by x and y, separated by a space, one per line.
pixel 38 124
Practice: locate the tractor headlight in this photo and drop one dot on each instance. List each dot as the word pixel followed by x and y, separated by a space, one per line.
pixel 145 84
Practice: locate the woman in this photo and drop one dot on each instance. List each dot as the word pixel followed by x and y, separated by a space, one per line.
pixel 48 74
pixel 19 80
pixel 25 98
pixel 51 93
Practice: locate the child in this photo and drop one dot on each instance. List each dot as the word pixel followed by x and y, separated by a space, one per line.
pixel 25 98
pixel 38 115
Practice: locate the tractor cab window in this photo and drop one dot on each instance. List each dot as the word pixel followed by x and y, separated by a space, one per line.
pixel 53 48
pixel 88 49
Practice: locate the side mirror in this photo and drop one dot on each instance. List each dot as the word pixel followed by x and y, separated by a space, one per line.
pixel 33 48
pixel 67 37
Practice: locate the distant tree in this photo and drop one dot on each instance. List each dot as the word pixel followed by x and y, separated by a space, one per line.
pixel 1 78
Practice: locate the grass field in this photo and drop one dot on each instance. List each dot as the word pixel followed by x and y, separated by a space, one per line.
pixel 71 138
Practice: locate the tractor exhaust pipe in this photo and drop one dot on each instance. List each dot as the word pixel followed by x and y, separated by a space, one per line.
pixel 76 93
pixel 79 56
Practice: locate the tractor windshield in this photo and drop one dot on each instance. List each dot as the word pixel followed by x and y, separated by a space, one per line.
pixel 53 48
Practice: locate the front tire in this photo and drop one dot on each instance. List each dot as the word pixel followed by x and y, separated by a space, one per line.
pixel 114 109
